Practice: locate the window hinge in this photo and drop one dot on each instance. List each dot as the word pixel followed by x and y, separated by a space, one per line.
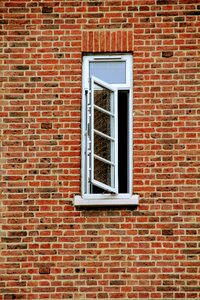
pixel 88 128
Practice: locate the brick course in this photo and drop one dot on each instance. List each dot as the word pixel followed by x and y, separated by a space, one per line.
pixel 49 249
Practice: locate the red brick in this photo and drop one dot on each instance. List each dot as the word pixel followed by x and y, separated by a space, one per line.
pixel 49 249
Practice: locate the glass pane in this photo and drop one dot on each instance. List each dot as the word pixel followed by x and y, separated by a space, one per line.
pixel 102 97
pixel 102 172
pixel 110 71
pixel 102 147
pixel 102 122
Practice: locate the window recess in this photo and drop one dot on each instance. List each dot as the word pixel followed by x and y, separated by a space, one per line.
pixel 107 131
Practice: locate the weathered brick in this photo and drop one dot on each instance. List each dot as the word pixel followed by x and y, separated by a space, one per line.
pixel 47 9
pixel 44 270
pixel 49 249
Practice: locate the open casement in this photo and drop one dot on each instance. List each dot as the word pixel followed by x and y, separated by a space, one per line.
pixel 104 136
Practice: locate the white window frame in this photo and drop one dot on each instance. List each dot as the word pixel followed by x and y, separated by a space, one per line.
pixel 114 148
pixel 87 199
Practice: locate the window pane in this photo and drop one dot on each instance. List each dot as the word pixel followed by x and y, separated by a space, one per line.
pixel 102 122
pixel 102 147
pixel 102 172
pixel 110 71
pixel 102 97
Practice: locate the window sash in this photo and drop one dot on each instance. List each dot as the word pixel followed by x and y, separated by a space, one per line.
pixel 111 184
pixel 127 58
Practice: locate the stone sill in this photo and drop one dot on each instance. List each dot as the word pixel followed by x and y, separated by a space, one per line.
pixel 132 201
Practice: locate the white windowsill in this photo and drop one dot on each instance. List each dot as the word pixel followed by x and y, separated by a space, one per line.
pixel 132 201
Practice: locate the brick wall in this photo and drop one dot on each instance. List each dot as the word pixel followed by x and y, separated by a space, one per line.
pixel 50 249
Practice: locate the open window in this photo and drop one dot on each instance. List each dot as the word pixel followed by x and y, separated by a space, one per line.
pixel 107 131
pixel 103 137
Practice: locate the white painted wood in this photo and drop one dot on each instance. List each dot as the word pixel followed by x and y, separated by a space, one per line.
pixel 113 188
pixel 86 119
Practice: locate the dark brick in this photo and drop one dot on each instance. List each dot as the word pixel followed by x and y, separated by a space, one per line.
pixel 22 67
pixel 167 232
pixel 80 270
pixel 47 9
pixel 117 282
pixel 167 54
pixel 3 21
pixel 44 270
pixel 193 13
pixel 34 79
pixel 46 125
pixel 179 19
pixel 95 3
pixel 166 2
